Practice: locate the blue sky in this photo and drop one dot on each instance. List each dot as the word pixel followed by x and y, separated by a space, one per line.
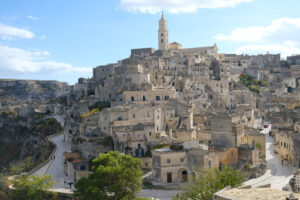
pixel 64 40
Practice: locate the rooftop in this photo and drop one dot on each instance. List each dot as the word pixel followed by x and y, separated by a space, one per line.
pixel 254 194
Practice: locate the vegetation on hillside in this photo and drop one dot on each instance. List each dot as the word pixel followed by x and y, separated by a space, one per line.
pixel 24 139
pixel 253 84
pixel 100 105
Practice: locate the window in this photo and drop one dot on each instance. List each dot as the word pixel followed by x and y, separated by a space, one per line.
pixel 209 163
pixel 133 115
pixel 157 98
pixel 182 160
pixel 148 114
pixel 149 133
pixel 162 41
pixel 132 98
pixel 144 98
pixel 232 154
pixel 169 161
pixel 166 97
pixel 162 35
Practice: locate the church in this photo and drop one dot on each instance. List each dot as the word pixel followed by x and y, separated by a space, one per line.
pixel 163 42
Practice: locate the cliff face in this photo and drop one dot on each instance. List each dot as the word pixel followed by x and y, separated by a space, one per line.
pixel 25 137
pixel 23 90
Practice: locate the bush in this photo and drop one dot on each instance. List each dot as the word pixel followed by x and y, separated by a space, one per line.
pixel 100 105
pixel 176 147
pixel 254 89
pixel 259 146
pixel 208 181
pixel 160 146
pixel 32 187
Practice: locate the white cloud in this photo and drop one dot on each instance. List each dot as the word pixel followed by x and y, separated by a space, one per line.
pixel 18 61
pixel 9 33
pixel 278 28
pixel 175 6
pixel 281 36
pixel 285 50
pixel 32 18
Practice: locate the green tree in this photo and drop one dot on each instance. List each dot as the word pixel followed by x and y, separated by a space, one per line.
pixel 114 176
pixel 259 146
pixel 3 187
pixel 31 187
pixel 209 181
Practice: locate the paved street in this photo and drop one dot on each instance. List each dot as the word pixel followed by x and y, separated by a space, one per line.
pixel 158 194
pixel 277 175
pixel 55 166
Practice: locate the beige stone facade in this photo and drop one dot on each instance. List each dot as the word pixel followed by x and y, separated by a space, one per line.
pixel 174 167
pixel 158 95
pixel 286 146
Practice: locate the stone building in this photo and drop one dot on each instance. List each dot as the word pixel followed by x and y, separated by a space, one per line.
pixel 287 146
pixel 158 95
pixel 75 167
pixel 175 167
pixel 293 60
pixel 227 155
pixel 248 154
pixel 255 139
pixel 226 130
pixel 175 46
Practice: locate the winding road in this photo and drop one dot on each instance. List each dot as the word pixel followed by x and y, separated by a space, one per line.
pixel 56 166
pixel 277 175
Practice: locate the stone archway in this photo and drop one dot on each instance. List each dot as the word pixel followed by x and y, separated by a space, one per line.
pixel 184 176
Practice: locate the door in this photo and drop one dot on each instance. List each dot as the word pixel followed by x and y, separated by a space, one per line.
pixel 169 177
pixel 184 176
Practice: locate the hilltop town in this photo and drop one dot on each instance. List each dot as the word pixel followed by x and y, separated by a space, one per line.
pixel 176 109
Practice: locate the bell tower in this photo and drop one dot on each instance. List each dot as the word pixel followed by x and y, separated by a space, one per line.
pixel 163 34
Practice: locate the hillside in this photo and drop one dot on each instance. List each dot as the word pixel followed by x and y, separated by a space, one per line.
pixel 22 90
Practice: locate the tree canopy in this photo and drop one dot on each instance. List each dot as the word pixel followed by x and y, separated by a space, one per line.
pixel 209 181
pixel 31 187
pixel 114 176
